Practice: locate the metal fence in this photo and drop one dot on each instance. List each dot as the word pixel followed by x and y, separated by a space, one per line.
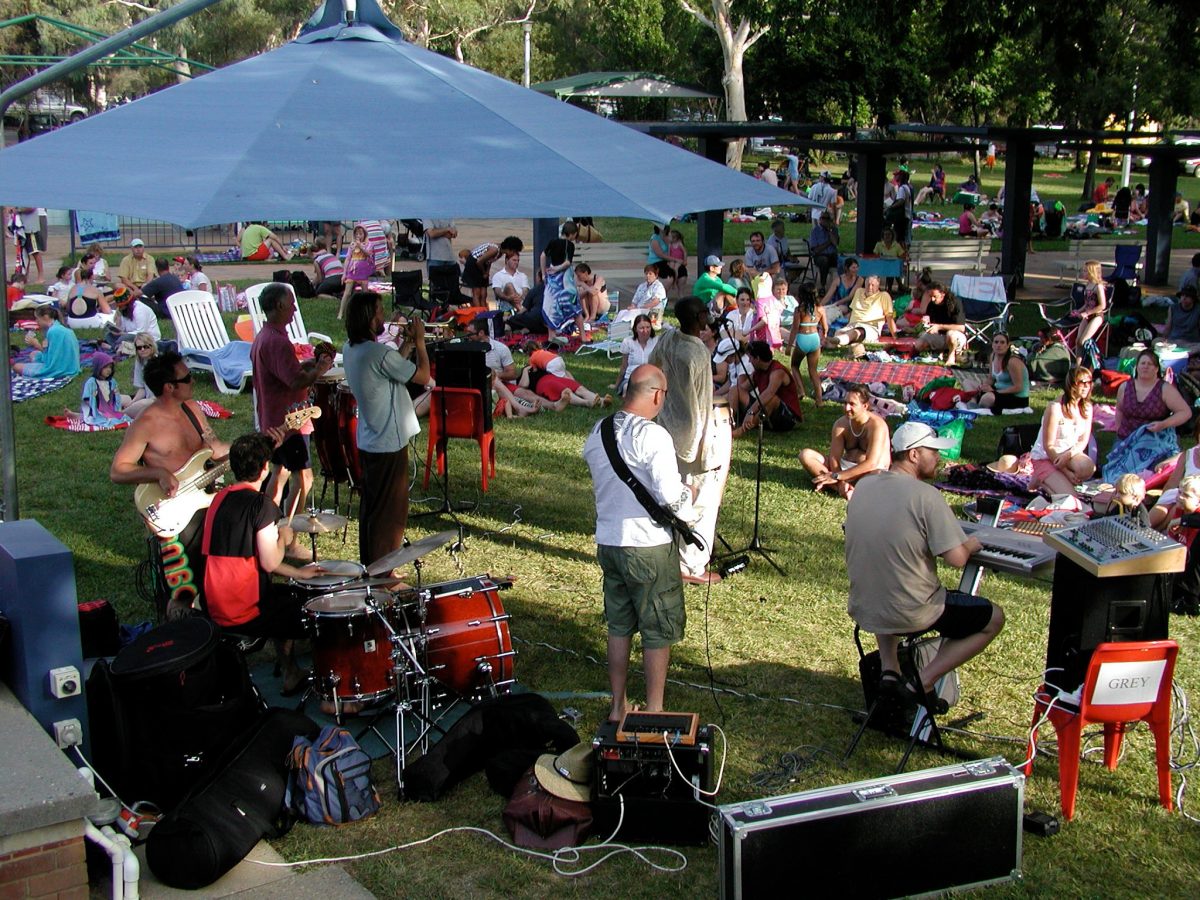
pixel 165 236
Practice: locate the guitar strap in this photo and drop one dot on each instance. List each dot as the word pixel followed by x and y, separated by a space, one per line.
pixel 660 514
pixel 192 418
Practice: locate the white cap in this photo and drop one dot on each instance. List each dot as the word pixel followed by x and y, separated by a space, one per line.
pixel 912 435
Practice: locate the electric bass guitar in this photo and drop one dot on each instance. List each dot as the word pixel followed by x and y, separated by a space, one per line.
pixel 196 479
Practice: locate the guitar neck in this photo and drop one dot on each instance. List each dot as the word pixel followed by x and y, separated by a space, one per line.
pixel 208 476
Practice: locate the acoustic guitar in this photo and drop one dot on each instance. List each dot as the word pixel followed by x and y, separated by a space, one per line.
pixel 197 480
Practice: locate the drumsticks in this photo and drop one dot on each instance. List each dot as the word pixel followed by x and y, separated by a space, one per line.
pixel 292 511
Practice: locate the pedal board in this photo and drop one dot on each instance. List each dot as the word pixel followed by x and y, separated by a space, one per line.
pixel 648 728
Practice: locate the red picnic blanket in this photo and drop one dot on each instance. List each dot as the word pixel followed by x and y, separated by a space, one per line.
pixel 865 372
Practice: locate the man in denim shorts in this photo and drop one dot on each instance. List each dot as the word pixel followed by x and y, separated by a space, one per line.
pixel 643 587
pixel 896 528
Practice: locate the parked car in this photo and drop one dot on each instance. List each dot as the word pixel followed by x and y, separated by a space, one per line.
pixel 44 104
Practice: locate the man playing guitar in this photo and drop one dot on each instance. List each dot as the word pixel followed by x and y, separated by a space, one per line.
pixel 163 438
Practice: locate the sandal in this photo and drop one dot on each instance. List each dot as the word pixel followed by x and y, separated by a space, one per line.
pixel 890 682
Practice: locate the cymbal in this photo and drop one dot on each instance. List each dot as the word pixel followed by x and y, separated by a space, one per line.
pixel 413 551
pixel 315 523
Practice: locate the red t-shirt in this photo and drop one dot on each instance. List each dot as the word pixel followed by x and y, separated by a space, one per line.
pixel 15 293
pixel 233 580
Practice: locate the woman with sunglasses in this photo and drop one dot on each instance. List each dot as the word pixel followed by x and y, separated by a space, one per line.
pixel 1060 460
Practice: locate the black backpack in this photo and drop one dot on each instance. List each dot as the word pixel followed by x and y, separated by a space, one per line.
pixel 166 708
pixel 302 285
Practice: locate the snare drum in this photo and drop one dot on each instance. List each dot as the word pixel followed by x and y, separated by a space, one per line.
pixel 466 635
pixel 337 573
pixel 352 656
pixel 347 422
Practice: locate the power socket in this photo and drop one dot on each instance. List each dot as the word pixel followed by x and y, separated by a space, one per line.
pixel 68 733
pixel 65 682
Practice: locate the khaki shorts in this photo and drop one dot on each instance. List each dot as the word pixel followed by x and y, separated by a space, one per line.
pixel 643 592
pixel 940 340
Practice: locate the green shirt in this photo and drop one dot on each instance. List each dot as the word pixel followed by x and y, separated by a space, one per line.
pixel 252 236
pixel 707 287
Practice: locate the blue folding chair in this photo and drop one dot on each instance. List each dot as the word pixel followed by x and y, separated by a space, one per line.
pixel 1126 264
pixel 985 302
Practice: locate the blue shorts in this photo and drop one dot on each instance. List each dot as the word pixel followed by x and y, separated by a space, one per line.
pixel 807 343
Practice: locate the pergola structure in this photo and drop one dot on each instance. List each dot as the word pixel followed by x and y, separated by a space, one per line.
pixel 872 155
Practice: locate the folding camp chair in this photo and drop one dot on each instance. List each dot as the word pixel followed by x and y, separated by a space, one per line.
pixel 1062 316
pixel 406 291
pixel 611 345
pixel 204 342
pixel 1126 265
pixel 985 302
pixel 296 331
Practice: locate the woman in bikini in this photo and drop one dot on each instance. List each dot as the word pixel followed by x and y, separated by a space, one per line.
pixel 809 328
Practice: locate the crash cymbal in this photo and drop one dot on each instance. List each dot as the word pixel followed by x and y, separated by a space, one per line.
pixel 389 581
pixel 315 523
pixel 413 551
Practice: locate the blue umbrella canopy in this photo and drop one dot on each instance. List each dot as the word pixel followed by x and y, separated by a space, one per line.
pixel 352 121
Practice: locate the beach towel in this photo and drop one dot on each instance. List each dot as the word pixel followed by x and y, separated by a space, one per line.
pixel 27 388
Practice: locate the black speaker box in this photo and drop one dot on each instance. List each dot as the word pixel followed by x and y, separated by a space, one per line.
pixel 463 363
pixel 1086 611
pixel 916 833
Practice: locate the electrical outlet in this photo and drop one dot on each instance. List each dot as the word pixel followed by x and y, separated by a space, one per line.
pixel 68 733
pixel 65 682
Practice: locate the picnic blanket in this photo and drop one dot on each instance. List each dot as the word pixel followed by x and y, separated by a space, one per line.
pixel 233 254
pixel 76 424
pixel 24 388
pixel 865 372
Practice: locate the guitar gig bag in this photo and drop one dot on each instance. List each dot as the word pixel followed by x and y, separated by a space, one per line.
pixel 241 801
pixel 170 703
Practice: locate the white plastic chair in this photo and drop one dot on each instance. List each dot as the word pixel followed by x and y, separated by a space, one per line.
pixel 200 332
pixel 296 331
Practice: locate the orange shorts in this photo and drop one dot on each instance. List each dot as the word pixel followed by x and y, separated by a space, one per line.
pixel 263 252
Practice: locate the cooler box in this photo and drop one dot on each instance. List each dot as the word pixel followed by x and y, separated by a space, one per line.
pixel 915 833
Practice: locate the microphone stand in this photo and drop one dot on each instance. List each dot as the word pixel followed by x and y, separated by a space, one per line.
pixel 756 545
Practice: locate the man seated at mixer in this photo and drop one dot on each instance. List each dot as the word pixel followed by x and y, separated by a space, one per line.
pixel 897 527
pixel 244 543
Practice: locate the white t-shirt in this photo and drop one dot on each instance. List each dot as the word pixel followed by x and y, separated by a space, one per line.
pixel 200 282
pixel 499 356
pixel 822 192
pixel 638 355
pixel 649 296
pixel 519 281
pixel 142 319
pixel 648 451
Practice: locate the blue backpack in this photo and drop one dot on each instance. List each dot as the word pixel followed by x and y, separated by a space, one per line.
pixel 329 780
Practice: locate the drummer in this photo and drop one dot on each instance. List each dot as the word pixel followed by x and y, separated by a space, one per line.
pixel 244 544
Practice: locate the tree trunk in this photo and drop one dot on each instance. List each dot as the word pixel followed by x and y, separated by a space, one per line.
pixel 1089 179
pixel 735 99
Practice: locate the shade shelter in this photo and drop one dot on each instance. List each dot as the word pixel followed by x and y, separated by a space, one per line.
pixel 351 121
pixel 620 84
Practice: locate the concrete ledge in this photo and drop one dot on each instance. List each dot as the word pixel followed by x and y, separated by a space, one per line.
pixel 38 785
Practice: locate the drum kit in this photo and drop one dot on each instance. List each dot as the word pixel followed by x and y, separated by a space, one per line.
pixel 424 649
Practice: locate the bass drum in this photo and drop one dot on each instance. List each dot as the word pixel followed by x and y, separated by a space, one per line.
pixel 352 653
pixel 466 635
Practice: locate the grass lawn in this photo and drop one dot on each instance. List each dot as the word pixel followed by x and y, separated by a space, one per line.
pixel 784 671
pixel 1052 178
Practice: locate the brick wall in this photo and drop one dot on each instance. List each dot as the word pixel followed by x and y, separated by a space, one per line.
pixel 48 870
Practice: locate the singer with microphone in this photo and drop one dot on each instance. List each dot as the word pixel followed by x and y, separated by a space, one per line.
pixel 699 427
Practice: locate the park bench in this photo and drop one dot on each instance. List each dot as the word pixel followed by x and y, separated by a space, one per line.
pixel 1080 250
pixel 957 255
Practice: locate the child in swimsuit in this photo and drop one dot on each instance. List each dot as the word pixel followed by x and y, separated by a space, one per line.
pixel 809 327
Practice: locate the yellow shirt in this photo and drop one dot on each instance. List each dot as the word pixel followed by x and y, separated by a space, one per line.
pixel 136 271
